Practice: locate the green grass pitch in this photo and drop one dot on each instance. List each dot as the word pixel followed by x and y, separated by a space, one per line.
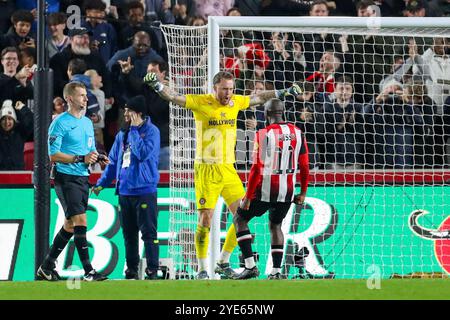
pixel 435 289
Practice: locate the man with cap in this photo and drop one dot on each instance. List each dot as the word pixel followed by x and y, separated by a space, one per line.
pixel 78 48
pixel 134 165
pixel 16 126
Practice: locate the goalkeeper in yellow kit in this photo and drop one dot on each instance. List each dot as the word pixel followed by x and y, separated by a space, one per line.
pixel 214 173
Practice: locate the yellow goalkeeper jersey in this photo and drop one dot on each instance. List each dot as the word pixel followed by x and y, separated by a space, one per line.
pixel 215 126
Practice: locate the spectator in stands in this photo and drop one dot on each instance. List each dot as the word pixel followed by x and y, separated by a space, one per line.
pixel 206 8
pixel 429 136
pixel 387 8
pixel 401 71
pixel 434 67
pixel 308 115
pixel 27 57
pixel 251 62
pixel 415 8
pixel 180 12
pixel 104 37
pixel 344 139
pixel 287 60
pixel 284 7
pixel 158 10
pixel 59 41
pixel 438 8
pixel 248 7
pixel 136 57
pixel 248 122
pixel 159 111
pixel 157 108
pixel 389 127
pixel 323 79
pixel 298 54
pixel 319 8
pixel 366 8
pixel 316 44
pixel 97 84
pixel 232 39
pixel 196 21
pixel 75 72
pixel 14 85
pixel 16 127
pixel 7 8
pixel 79 48
pixel 253 118
pixel 20 34
pixel 58 107
pixel 135 23
pixel 369 54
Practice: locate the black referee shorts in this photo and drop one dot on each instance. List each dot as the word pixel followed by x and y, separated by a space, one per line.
pixel 277 210
pixel 72 192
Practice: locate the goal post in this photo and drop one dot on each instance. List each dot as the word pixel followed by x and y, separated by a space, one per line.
pixel 366 181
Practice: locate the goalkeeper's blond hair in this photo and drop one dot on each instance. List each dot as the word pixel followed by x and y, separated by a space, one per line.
pixel 222 75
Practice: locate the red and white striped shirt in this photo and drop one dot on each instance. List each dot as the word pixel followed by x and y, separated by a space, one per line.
pixel 279 151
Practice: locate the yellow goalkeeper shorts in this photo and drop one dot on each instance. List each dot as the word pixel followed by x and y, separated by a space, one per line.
pixel 214 180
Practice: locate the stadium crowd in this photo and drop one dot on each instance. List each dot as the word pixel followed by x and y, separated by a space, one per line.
pixel 368 101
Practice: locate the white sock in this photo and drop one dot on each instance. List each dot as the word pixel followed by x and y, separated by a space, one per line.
pixel 225 257
pixel 203 264
pixel 276 270
pixel 250 263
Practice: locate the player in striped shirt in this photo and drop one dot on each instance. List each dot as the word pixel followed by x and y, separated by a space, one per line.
pixel 279 151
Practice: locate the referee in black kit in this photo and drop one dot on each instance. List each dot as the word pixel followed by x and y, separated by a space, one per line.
pixel 71 145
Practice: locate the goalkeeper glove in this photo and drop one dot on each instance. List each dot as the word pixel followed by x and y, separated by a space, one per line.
pixel 295 90
pixel 151 80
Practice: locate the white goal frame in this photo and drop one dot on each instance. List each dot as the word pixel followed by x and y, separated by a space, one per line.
pixel 374 24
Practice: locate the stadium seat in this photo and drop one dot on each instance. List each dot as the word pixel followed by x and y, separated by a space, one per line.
pixel 28 155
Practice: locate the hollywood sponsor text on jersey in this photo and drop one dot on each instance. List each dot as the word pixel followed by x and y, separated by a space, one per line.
pixel 216 122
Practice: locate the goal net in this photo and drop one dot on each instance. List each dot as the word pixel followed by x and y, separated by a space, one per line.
pixel 375 112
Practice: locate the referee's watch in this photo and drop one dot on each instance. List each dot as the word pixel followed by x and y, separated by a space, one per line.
pixel 78 159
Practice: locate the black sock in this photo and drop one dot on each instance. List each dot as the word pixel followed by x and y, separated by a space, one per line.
pixel 59 243
pixel 82 247
pixel 277 255
pixel 244 239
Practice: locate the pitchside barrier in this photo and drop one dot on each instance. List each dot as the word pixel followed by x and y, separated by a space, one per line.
pixel 368 224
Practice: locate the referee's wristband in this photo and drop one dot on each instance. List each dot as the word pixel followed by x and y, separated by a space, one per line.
pixel 78 159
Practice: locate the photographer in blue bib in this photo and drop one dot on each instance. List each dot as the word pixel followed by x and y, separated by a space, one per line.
pixel 134 164
pixel 71 145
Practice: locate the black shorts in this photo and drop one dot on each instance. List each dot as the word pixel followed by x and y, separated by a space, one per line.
pixel 277 210
pixel 72 192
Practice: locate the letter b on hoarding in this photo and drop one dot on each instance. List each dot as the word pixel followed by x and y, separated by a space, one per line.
pixel 102 246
